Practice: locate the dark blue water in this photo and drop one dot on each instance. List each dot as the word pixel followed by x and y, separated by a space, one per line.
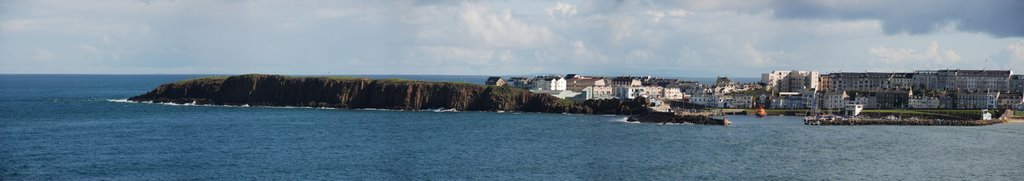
pixel 62 127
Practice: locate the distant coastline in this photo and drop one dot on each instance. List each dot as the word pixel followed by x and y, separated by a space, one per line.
pixel 362 93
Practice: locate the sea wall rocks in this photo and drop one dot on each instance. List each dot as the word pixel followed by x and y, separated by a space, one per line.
pixel 903 122
pixel 344 92
pixel 665 117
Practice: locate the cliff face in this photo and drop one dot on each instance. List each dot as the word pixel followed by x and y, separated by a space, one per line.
pixel 276 90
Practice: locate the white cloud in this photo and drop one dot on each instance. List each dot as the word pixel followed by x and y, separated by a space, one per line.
pixel 501 29
pixel 333 13
pixel 43 55
pixel 1016 51
pixel 561 9
pixel 755 55
pixel 679 38
pixel 1012 55
pixel 657 15
pixel 459 55
pixel 932 54
pixel 18 25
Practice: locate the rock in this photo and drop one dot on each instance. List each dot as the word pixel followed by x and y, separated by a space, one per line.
pixel 666 117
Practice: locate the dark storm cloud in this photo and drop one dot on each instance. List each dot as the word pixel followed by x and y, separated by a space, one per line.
pixel 1000 18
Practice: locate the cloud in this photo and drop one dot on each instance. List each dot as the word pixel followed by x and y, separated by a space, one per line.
pixel 1012 55
pixel 904 56
pixel 995 17
pixel 676 38
pixel 561 9
pixel 916 16
pixel 755 55
pixel 501 29
pixel 18 25
pixel 43 55
pixel 333 13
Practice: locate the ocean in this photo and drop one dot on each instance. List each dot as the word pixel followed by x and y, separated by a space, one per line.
pixel 77 127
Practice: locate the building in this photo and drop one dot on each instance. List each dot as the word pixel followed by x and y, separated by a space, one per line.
pixel 964 80
pixel 626 82
pixel 866 81
pixel 1010 100
pixel 655 92
pixel 626 93
pixel 925 102
pixel 495 81
pixel 519 82
pixel 1016 83
pixel 579 83
pixel 672 93
pixel 893 98
pixel 743 101
pixel 866 99
pixel 598 92
pixel 790 81
pixel 834 100
pixel 704 99
pixel 976 100
pixel 548 83
pixel 789 100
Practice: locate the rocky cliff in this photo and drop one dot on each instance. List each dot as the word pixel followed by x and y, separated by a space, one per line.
pixel 345 92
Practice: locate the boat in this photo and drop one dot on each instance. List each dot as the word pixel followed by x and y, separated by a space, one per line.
pixel 760 112
pixel 760 107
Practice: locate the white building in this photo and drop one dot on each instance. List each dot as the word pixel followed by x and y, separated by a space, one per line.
pixel 790 81
pixel 742 101
pixel 867 101
pixel 964 80
pixel 977 100
pixel 924 102
pixel 656 92
pixel 834 100
pixel 673 93
pixel 548 83
pixel 598 92
pixel 1010 100
pixel 626 93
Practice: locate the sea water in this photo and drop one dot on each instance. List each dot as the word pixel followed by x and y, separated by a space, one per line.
pixel 77 127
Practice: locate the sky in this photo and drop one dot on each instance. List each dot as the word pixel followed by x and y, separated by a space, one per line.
pixel 698 38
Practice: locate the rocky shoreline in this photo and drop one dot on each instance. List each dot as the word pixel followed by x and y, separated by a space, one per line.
pixel 902 122
pixel 670 118
pixel 362 93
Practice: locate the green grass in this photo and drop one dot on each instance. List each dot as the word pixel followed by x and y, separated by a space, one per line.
pixel 210 79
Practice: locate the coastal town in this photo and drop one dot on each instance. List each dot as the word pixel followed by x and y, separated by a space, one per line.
pixel 920 89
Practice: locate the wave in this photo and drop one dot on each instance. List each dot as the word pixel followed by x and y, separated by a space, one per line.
pixel 120 100
pixel 437 110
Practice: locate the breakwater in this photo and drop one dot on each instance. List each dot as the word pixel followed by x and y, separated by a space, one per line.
pixel 671 118
pixel 911 121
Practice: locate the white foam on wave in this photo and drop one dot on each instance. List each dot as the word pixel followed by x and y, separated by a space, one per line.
pixel 193 103
pixel 120 100
pixel 624 119
pixel 441 110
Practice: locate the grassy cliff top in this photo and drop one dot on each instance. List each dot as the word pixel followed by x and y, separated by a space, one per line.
pixel 220 79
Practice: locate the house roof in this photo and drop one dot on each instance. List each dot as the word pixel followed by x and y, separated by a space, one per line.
pixel 493 79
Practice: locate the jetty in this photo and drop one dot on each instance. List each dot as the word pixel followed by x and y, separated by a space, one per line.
pixel 920 121
pixel 674 118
